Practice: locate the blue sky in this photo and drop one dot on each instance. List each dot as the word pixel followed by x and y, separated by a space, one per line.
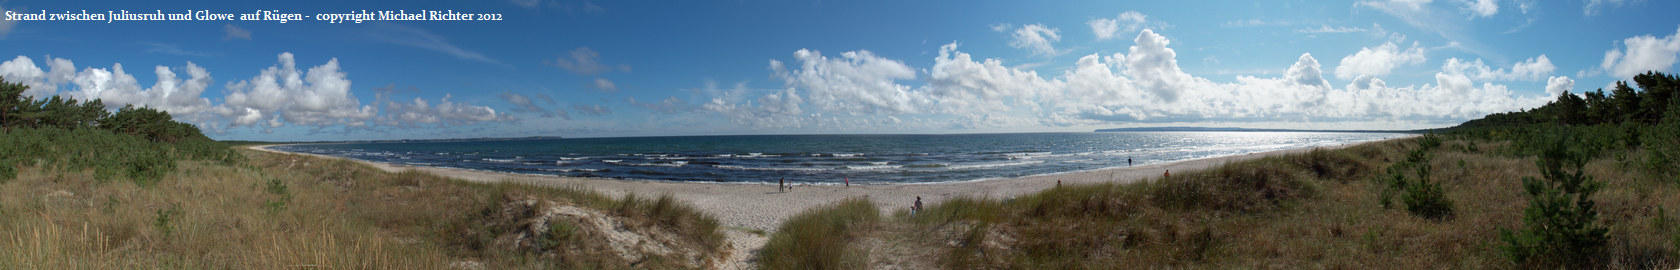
pixel 635 68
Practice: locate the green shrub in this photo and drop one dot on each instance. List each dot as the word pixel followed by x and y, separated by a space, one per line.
pixel 1426 198
pixel 1559 223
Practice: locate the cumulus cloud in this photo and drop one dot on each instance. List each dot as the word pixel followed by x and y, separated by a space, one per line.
pixel 116 87
pixel 1127 22
pixel 1142 85
pixel 419 111
pixel 963 85
pixel 1154 66
pixel 1378 61
pixel 1033 37
pixel 584 61
pixel 856 82
pixel 234 32
pixel 1641 54
pixel 1556 85
pixel 319 97
pixel 23 70
pixel 1531 70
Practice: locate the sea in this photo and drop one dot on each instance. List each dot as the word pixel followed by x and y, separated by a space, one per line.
pixel 831 159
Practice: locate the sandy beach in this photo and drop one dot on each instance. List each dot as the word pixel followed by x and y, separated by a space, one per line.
pixel 762 207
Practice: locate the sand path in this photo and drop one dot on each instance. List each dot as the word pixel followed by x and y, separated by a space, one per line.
pixel 762 207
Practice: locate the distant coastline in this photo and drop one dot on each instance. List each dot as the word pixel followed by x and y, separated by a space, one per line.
pixel 482 139
pixel 1235 129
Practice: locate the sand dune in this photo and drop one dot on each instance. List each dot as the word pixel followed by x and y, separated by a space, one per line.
pixel 762 207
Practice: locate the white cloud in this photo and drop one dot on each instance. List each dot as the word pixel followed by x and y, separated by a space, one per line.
pixel 1532 69
pixel 584 61
pixel 1325 28
pixel 856 83
pixel 420 38
pixel 319 97
pixel 1483 8
pixel 1126 23
pixel 966 86
pixel 526 3
pixel 419 111
pixel 1643 53
pixel 234 32
pixel 171 49
pixel 281 94
pixel 22 70
pixel 1035 38
pixel 1556 85
pixel 595 109
pixel 1379 61
pixel 1143 85
pixel 1592 6
pixel 1155 67
pixel 526 105
pixel 115 87
pixel 605 85
pixel 669 105
pixel 6 25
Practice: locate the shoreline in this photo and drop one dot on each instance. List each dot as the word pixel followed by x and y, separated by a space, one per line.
pixel 741 207
pixel 760 206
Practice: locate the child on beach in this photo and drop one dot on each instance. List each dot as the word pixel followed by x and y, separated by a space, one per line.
pixel 917 207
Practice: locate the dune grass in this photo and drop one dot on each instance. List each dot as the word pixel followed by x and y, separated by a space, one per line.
pixel 290 211
pixel 1320 209
pixel 822 237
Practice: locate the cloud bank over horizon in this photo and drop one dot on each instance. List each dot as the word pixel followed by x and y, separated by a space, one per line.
pixel 1388 64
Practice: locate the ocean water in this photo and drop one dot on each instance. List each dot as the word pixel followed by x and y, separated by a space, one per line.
pixel 831 159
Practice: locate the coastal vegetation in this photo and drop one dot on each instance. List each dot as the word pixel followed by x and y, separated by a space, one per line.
pixel 1577 183
pixel 83 188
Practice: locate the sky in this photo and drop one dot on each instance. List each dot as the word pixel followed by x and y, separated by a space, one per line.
pixel 676 68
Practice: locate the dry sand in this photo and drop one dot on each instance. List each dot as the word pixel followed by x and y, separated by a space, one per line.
pixel 762 207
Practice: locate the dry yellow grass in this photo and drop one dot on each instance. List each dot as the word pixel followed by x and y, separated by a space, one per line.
pixel 288 212
pixel 1314 210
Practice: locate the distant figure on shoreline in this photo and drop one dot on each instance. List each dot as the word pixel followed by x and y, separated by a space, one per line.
pixel 848 181
pixel 1128 162
pixel 1168 174
pixel 917 207
pixel 781 185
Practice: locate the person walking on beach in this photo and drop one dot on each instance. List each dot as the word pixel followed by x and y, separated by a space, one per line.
pixel 781 184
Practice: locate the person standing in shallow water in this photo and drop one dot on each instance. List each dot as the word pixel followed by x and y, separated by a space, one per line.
pixel 1128 162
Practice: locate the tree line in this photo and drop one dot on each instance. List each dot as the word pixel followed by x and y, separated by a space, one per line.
pixel 63 135
pixel 18 111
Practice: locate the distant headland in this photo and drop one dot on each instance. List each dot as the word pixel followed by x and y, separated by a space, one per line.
pixel 1236 129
